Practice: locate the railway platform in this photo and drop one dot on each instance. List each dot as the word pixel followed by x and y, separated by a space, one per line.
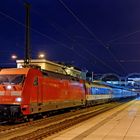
pixel 120 123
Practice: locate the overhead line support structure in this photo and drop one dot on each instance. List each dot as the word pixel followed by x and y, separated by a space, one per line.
pixel 27 35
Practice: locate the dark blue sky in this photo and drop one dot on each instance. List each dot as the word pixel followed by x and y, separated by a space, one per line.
pixel 98 35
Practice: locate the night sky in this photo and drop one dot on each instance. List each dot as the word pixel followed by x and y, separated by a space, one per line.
pixel 102 36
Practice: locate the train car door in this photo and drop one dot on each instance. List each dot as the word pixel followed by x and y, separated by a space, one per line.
pixel 40 91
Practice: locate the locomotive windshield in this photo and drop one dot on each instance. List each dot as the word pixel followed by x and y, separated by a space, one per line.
pixel 12 79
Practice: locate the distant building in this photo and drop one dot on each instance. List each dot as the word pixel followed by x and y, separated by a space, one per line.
pixel 55 67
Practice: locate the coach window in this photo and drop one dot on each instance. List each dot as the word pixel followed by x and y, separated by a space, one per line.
pixel 35 81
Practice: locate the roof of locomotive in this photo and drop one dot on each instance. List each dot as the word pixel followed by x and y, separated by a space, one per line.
pixel 59 75
pixel 47 73
pixel 14 71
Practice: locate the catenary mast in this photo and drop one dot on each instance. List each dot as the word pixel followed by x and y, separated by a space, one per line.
pixel 27 58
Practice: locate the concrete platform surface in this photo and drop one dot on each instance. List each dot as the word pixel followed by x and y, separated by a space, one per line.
pixel 121 123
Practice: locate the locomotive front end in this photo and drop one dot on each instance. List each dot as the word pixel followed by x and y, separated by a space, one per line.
pixel 10 95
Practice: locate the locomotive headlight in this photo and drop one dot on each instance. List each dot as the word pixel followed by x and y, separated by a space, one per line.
pixel 19 99
pixel 9 87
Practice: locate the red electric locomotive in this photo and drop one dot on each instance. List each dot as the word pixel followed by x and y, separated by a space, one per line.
pixel 28 91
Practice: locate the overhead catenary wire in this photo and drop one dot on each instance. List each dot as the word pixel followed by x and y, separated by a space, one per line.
pixel 44 35
pixel 50 38
pixel 90 32
pixel 34 30
pixel 101 61
pixel 90 53
pixel 40 33
pixel 68 36
pixel 124 36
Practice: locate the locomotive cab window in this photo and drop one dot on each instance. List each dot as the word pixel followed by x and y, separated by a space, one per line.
pixel 35 81
pixel 13 79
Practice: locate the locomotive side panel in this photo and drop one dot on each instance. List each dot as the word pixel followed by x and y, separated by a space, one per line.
pixel 56 94
pixel 42 94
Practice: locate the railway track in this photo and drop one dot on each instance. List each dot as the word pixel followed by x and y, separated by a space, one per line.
pixel 48 126
pixel 4 127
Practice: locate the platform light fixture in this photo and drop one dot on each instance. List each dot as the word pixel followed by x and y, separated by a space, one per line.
pixel 41 55
pixel 14 56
